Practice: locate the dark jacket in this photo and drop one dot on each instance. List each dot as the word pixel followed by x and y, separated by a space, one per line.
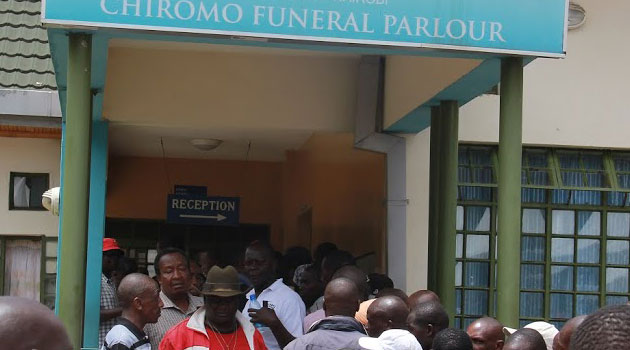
pixel 331 333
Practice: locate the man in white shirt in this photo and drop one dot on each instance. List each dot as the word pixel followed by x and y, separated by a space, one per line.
pixel 283 310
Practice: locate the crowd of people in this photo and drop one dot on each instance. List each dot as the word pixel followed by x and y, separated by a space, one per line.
pixel 325 304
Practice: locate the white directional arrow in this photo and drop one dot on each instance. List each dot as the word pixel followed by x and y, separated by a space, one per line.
pixel 217 217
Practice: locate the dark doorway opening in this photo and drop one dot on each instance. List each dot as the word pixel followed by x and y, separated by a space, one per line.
pixel 141 239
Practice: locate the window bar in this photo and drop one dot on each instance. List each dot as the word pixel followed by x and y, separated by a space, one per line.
pixel 464 266
pixel 554 166
pixel 492 251
pixel 603 253
pixel 3 245
pixel 585 182
pixel 576 228
pixel 495 164
pixel 548 236
pixel 610 170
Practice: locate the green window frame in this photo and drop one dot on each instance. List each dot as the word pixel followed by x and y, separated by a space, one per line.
pixel 475 254
pixel 570 244
pixel 555 182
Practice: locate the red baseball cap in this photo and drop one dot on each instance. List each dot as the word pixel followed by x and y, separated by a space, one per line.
pixel 110 244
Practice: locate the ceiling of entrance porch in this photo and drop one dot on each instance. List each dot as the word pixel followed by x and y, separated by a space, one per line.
pixel 273 98
pixel 412 81
pixel 174 142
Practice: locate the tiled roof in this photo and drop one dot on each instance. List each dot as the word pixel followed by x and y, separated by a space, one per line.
pixel 25 61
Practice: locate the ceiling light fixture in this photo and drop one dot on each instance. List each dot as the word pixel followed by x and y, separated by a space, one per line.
pixel 577 16
pixel 206 144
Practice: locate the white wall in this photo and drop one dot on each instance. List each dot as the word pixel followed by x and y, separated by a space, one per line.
pixel 417 209
pixel 578 101
pixel 30 156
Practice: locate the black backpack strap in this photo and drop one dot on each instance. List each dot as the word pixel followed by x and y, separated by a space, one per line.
pixel 116 347
pixel 139 343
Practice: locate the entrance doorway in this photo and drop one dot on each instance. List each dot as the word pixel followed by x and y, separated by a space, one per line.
pixel 141 239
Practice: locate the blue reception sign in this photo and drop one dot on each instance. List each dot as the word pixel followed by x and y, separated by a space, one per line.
pixel 201 210
pixel 528 27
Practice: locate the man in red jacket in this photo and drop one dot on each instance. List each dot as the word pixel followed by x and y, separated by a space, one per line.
pixel 219 324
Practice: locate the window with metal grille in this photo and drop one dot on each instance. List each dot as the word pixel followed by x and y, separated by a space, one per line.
pixel 575 236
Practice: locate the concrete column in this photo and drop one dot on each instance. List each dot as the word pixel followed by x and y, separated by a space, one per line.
pixel 447 207
pixel 75 188
pixel 368 136
pixel 397 214
pixel 509 196
pixel 434 196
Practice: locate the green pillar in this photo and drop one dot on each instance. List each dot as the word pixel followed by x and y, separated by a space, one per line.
pixel 447 207
pixel 75 188
pixel 434 196
pixel 509 200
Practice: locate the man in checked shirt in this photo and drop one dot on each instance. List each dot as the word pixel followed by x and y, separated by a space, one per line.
pixel 173 273
pixel 110 309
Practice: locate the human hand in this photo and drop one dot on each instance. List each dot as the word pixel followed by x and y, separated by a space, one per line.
pixel 263 315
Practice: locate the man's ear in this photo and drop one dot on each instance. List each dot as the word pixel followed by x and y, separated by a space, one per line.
pixel 499 345
pixel 430 329
pixel 137 303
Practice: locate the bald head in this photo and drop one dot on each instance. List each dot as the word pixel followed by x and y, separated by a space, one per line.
pixel 357 276
pixel 341 298
pixel 20 317
pixel 422 296
pixel 525 339
pixel 563 338
pixel 426 321
pixel 388 312
pixel 393 292
pixel 132 286
pixel 486 334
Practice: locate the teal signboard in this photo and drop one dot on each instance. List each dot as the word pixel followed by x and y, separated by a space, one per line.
pixel 528 27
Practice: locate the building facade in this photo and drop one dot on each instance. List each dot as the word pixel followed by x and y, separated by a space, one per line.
pixel 30 133
pixel 573 220
pixel 355 137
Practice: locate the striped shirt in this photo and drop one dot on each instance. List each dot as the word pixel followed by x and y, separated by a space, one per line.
pixel 109 300
pixel 171 315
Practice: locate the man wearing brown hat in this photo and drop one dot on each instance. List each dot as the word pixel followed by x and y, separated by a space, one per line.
pixel 219 324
